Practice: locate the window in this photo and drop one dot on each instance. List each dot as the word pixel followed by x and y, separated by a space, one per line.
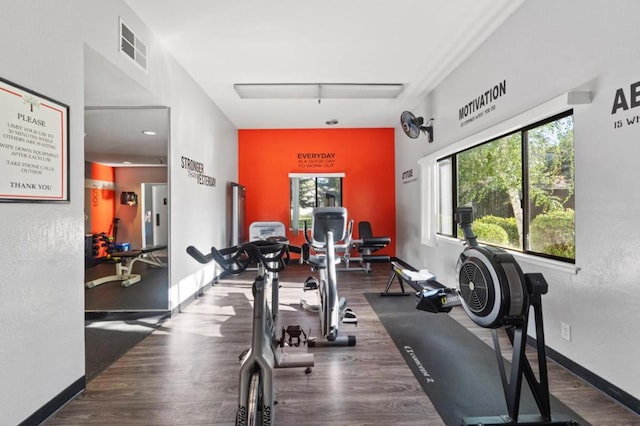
pixel 309 191
pixel 445 201
pixel 521 187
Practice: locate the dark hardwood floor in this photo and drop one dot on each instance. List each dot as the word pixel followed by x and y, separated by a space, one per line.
pixel 150 294
pixel 186 371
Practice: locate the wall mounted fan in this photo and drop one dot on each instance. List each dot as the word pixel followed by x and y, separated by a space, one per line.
pixel 413 125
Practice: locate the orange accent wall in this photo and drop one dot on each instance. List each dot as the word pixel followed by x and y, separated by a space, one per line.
pixel 366 156
pixel 103 203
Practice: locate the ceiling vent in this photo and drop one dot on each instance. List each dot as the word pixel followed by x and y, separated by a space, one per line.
pixel 132 46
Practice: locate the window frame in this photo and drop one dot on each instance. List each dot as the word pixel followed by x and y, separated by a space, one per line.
pixel 525 182
pixel 294 219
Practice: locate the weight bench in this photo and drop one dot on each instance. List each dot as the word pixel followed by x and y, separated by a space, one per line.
pixel 366 245
pixel 124 267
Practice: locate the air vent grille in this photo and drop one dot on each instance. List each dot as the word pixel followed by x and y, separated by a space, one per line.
pixel 132 46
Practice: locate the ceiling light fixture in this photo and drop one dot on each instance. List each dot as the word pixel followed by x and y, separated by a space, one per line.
pixel 318 90
pixel 149 132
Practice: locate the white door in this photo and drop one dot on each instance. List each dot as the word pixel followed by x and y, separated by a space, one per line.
pixel 160 214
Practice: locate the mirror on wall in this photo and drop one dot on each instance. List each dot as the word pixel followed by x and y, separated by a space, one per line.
pixel 126 209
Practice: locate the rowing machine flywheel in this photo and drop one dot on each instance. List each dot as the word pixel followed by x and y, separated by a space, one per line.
pixel 492 287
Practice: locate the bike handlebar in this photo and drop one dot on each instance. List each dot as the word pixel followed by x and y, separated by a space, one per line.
pixel 198 255
pixel 273 255
pixel 231 259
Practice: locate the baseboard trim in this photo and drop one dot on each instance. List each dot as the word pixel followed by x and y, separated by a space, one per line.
pixel 122 315
pixel 56 403
pixel 593 379
pixel 195 295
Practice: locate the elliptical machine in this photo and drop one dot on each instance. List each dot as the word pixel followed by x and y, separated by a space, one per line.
pixel 495 293
pixel 329 229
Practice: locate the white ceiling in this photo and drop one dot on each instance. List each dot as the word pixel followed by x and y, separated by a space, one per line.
pixel 114 135
pixel 219 43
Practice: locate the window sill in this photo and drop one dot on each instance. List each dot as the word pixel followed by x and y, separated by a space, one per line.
pixel 524 258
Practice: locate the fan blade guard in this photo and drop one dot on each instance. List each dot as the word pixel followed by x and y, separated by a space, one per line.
pixel 411 124
pixel 492 287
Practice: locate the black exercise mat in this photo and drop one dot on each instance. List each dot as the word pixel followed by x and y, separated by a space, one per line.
pixel 457 370
pixel 107 341
pixel 150 294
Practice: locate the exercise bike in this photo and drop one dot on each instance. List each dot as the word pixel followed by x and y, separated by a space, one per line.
pixel 328 234
pixel 256 394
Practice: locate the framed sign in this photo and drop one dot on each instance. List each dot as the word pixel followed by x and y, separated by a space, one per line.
pixel 34 146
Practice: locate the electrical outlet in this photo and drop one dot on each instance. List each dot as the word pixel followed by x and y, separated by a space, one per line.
pixel 565 331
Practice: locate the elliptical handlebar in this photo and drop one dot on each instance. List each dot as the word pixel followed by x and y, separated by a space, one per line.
pixel 306 234
pixel 349 237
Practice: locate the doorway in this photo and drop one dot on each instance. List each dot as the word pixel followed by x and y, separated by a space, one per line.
pixel 155 231
pixel 117 111
pixel 128 210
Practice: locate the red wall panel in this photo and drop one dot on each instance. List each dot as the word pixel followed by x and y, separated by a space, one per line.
pixel 103 203
pixel 366 156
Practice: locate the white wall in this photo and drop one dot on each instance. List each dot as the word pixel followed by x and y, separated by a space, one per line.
pixel 41 271
pixel 197 212
pixel 42 314
pixel 199 131
pixel 545 49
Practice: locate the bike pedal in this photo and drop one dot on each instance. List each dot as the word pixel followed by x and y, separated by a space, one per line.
pixel 350 317
pixel 310 284
pixel 294 332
